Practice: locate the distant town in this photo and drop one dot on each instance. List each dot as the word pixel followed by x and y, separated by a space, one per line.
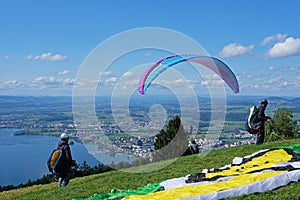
pixel 53 115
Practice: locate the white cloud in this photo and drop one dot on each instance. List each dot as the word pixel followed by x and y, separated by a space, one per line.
pixel 148 54
pixel 289 69
pixel 128 74
pixel 278 38
pixel 52 81
pixel 13 82
pixel 64 72
pixel 234 49
pixel 6 57
pixel 46 56
pixel 289 47
pixel 86 84
pixel 294 84
pixel 69 82
pixel 274 80
pixel 180 81
pixel 283 69
pixel 212 80
pixel 46 80
pixel 10 84
pixel 272 84
pixel 284 84
pixel 272 68
pixel 215 83
pixel 111 80
pixel 106 73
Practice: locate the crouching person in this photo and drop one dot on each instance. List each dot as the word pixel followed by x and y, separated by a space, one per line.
pixel 194 147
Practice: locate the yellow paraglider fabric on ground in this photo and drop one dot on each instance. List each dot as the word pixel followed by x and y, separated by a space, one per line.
pixel 262 162
pixel 262 171
pixel 255 174
pixel 187 191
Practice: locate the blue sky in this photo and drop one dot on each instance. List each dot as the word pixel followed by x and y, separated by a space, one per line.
pixel 44 43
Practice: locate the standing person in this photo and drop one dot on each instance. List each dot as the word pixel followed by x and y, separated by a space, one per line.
pixel 262 118
pixel 64 169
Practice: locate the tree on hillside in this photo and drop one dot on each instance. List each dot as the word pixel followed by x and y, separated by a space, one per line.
pixel 283 123
pixel 171 142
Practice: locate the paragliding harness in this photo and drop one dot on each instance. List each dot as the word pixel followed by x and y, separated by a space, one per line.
pixel 252 124
pixel 54 160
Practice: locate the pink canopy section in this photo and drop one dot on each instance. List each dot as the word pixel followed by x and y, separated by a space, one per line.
pixel 212 63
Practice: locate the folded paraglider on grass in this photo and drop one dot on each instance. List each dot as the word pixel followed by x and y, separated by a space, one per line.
pixel 259 172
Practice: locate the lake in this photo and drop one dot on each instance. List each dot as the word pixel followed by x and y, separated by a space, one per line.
pixel 25 157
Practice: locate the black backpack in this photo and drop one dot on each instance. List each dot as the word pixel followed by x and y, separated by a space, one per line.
pixel 252 123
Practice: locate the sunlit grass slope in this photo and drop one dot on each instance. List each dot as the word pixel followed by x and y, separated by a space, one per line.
pixel 87 186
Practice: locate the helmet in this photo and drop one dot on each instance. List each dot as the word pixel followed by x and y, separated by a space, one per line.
pixel 64 136
pixel 264 101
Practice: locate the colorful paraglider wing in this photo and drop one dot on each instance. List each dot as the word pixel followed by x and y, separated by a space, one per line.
pixel 212 63
pixel 219 68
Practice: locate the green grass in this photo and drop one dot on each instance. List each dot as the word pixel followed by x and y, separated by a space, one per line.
pixel 87 186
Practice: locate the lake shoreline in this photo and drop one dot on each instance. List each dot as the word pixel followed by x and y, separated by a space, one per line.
pixel 33 150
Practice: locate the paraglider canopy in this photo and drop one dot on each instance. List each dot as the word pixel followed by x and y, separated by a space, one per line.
pixel 211 63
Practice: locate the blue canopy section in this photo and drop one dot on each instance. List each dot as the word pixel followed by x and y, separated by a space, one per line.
pixel 212 63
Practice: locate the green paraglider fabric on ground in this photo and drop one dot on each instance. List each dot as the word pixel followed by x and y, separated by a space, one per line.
pixel 285 153
pixel 114 194
pixel 294 147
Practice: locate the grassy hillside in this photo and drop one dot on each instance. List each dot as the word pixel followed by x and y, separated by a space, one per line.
pixel 87 186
